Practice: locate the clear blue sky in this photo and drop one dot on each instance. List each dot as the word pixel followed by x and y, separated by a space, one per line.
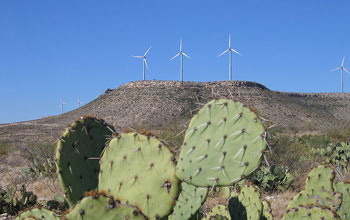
pixel 69 49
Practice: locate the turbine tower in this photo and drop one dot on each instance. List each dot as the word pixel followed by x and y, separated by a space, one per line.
pixel 79 102
pixel 62 103
pixel 341 68
pixel 229 50
pixel 144 62
pixel 181 53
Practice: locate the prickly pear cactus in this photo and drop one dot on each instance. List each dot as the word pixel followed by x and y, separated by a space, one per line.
pixel 189 201
pixel 100 206
pixel 318 190
pixel 140 170
pixel 218 212
pixel 78 151
pixel 310 213
pixel 344 210
pixel 327 199
pixel 236 208
pixel 250 199
pixel 38 213
pixel 267 211
pixel 321 179
pixel 223 143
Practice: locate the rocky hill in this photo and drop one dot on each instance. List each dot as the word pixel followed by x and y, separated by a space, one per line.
pixel 164 104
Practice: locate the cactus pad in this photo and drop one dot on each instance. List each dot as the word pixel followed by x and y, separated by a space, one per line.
pixel 218 212
pixel 267 211
pixel 78 151
pixel 343 188
pixel 318 190
pixel 38 213
pixel 101 207
pixel 223 143
pixel 250 199
pixel 310 213
pixel 140 170
pixel 321 179
pixel 189 201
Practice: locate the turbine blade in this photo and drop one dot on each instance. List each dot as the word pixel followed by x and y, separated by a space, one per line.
pixel 181 45
pixel 223 53
pixel 145 61
pixel 338 68
pixel 229 41
pixel 147 51
pixel 137 56
pixel 174 56
pixel 345 70
pixel 342 63
pixel 236 52
pixel 186 55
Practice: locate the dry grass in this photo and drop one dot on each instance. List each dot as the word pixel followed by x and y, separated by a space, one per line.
pixel 279 203
pixel 46 188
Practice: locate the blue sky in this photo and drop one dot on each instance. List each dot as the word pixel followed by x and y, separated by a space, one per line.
pixel 69 49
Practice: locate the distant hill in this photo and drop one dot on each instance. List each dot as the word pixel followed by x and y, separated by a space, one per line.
pixel 162 104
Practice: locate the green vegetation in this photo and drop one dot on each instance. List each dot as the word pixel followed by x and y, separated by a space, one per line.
pixel 4 148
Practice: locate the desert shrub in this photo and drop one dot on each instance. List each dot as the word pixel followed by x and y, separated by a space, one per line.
pixel 296 153
pixel 5 148
pixel 14 200
pixel 39 158
pixel 273 178
pixel 339 156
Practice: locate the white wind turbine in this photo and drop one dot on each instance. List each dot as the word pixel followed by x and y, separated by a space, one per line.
pixel 79 102
pixel 341 68
pixel 62 103
pixel 181 53
pixel 144 62
pixel 229 50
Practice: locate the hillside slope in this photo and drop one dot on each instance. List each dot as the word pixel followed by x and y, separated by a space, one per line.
pixel 161 104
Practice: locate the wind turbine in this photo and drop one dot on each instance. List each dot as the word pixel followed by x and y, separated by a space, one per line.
pixel 181 53
pixel 341 68
pixel 144 62
pixel 229 50
pixel 62 103
pixel 79 102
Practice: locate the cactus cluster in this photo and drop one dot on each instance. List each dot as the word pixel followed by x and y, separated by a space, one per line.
pixel 135 175
pixel 322 197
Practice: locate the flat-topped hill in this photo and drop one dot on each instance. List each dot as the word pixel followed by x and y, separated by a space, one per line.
pixel 163 104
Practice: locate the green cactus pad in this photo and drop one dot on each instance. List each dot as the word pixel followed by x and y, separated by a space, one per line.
pixel 103 207
pixel 223 143
pixel 140 170
pixel 328 199
pixel 38 213
pixel 267 211
pixel 236 208
pixel 189 201
pixel 321 179
pixel 318 190
pixel 78 152
pixel 344 210
pixel 310 213
pixel 218 212
pixel 250 199
pixel 224 192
